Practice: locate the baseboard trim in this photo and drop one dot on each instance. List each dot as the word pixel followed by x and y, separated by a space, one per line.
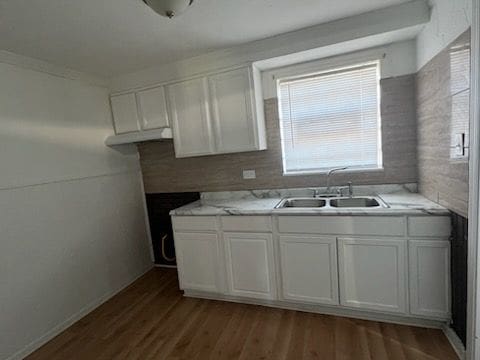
pixel 49 335
pixel 166 266
pixel 324 309
pixel 455 342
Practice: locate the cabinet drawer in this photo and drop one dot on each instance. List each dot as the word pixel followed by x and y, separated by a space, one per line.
pixel 194 223
pixel 433 226
pixel 348 225
pixel 247 223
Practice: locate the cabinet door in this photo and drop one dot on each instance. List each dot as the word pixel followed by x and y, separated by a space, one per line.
pixel 189 114
pixel 429 278
pixel 124 110
pixel 250 266
pixel 309 268
pixel 198 261
pixel 153 108
pixel 372 274
pixel 232 111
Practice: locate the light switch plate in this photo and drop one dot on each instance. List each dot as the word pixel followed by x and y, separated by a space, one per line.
pixel 249 174
pixel 459 146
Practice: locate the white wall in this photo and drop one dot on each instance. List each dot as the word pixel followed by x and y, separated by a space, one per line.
pixel 396 59
pixel 53 129
pixel 380 27
pixel 72 223
pixel 449 19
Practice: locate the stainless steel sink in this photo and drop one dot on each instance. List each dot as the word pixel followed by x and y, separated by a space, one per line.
pixel 336 202
pixel 355 202
pixel 301 203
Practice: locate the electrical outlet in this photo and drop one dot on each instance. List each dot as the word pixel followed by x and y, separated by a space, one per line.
pixel 249 174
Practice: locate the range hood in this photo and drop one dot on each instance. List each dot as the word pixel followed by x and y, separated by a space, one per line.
pixel 139 136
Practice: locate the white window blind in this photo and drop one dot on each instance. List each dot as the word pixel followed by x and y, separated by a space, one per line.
pixel 331 119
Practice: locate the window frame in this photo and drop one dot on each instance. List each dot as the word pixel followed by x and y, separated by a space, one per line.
pixel 310 69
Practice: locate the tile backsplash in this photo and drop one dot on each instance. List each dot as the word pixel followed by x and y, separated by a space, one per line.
pixel 162 172
pixel 443 93
pixel 302 192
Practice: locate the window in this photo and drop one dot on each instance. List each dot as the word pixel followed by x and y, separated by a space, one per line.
pixel 460 106
pixel 331 119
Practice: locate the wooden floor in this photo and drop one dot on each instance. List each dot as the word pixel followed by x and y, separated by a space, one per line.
pixel 151 320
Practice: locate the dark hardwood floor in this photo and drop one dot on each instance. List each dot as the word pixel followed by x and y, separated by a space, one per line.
pixel 151 320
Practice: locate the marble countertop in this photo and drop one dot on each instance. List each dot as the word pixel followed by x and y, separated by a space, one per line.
pixel 251 203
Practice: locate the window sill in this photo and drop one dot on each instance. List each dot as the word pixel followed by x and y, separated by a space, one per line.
pixel 324 172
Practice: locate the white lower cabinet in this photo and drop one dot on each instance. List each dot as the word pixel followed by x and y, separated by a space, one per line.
pixel 372 274
pixel 250 265
pixel 429 278
pixel 309 268
pixel 246 257
pixel 198 260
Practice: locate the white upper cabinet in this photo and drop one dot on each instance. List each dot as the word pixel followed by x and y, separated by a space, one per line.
pixel 125 115
pixel 152 108
pixel 217 114
pixel 212 114
pixel 135 115
pixel 233 111
pixel 190 118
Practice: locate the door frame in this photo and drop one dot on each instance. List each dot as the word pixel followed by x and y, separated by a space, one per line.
pixel 473 298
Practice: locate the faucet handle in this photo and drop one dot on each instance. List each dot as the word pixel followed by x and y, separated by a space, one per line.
pixel 315 191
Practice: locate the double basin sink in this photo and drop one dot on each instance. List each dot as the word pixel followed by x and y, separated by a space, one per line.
pixel 332 202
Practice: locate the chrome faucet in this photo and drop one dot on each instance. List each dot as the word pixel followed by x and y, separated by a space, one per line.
pixel 348 187
pixel 330 172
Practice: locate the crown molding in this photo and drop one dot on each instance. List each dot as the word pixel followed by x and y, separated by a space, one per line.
pixel 7 57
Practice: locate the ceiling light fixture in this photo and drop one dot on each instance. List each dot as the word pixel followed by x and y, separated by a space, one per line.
pixel 169 8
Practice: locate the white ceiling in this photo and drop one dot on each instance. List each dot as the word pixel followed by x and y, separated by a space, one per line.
pixel 112 37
